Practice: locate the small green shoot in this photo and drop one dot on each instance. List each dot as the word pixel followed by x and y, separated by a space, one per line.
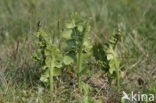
pixel 77 43
pixel 49 56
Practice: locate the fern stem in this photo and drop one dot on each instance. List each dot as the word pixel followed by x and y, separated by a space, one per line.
pixel 51 78
pixel 118 78
pixel 79 65
pixel 79 59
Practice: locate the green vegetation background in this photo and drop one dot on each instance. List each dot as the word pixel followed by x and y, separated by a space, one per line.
pixel 18 22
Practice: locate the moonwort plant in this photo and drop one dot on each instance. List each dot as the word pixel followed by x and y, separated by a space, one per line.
pixel 77 44
pixel 107 57
pixel 112 57
pixel 49 57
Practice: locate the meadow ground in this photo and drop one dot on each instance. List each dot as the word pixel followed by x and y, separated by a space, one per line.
pixel 19 73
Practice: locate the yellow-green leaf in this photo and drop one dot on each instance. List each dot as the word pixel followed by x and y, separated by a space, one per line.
pixel 67 34
pixel 67 60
